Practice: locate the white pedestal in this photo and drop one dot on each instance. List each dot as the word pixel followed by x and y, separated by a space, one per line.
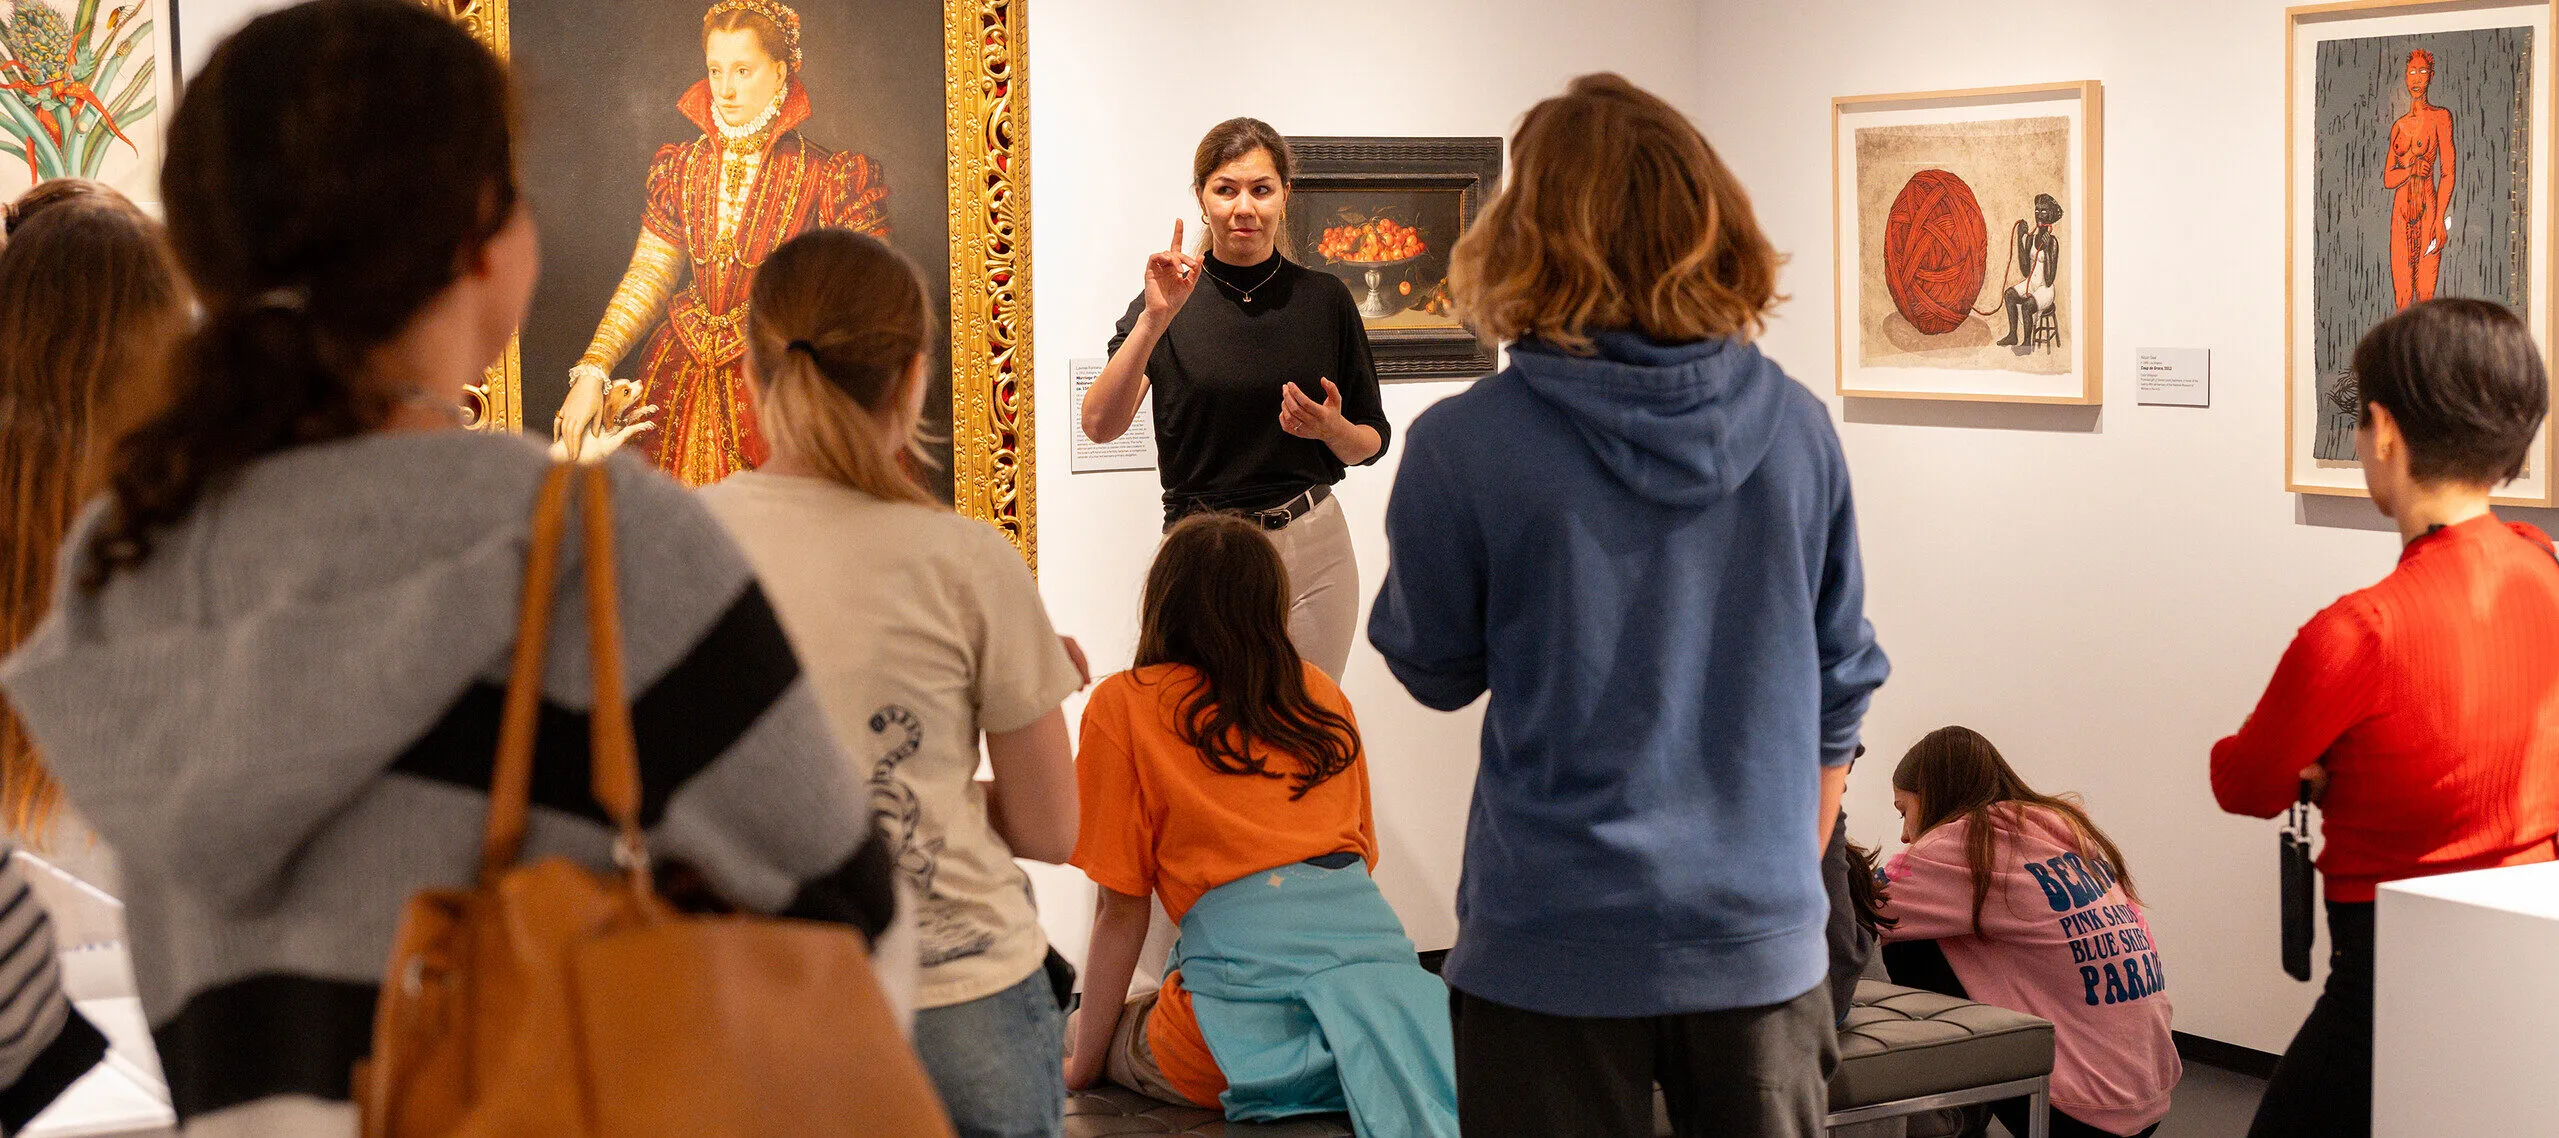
pixel 2467 988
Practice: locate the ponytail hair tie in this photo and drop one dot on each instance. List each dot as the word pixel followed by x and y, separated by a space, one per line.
pixel 804 347
pixel 289 298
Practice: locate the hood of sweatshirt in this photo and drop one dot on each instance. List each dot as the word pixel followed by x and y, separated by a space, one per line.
pixel 1678 424
pixel 214 707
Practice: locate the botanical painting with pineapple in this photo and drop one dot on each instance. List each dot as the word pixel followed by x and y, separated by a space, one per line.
pixel 84 87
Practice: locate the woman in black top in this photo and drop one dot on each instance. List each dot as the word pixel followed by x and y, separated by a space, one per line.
pixel 1264 390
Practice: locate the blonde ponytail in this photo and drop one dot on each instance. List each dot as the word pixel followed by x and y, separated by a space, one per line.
pixel 836 323
pixel 806 416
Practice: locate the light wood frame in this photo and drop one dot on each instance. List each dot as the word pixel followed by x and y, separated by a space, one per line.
pixel 987 111
pixel 2546 101
pixel 2091 226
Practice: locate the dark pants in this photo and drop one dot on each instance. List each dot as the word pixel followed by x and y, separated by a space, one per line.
pixel 2323 1085
pixel 1921 964
pixel 1762 1071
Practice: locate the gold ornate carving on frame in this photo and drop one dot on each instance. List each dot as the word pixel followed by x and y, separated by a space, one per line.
pixel 497 401
pixel 987 110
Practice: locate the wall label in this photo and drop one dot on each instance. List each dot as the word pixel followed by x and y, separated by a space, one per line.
pixel 2174 377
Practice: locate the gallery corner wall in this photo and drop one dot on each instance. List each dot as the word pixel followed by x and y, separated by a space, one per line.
pixel 2103 591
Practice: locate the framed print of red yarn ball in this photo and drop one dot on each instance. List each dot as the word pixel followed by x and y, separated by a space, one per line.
pixel 1967 263
pixel 1934 251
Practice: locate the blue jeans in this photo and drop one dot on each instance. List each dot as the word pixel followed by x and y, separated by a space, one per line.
pixel 999 1061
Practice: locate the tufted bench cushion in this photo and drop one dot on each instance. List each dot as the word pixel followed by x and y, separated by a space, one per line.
pixel 1903 1043
pixel 1108 1112
pixel 1898 1043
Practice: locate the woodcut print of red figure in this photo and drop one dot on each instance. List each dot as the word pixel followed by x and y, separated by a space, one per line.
pixel 2420 186
pixel 2421 178
pixel 718 205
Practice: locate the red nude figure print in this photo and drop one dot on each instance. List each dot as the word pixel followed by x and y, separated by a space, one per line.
pixel 2420 173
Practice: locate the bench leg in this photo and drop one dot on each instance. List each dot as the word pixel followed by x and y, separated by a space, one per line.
pixel 2039 1116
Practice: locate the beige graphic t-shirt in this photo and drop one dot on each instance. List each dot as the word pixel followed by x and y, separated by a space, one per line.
pixel 919 629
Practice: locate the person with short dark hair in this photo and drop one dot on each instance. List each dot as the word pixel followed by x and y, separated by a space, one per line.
pixel 2420 712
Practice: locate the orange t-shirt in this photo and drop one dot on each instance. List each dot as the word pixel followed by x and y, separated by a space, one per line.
pixel 1157 819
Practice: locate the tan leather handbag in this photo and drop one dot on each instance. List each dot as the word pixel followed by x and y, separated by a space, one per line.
pixel 553 1000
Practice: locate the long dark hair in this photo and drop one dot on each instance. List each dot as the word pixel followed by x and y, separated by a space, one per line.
pixel 1957 775
pixel 1217 601
pixel 328 174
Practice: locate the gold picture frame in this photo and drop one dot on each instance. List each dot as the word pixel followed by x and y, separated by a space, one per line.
pixel 987 115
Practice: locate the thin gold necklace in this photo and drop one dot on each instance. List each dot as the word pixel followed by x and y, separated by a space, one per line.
pixel 1277 262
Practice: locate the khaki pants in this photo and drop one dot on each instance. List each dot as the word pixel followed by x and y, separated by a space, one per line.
pixel 1323 616
pixel 1131 1062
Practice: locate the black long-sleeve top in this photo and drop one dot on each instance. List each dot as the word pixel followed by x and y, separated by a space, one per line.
pixel 1215 378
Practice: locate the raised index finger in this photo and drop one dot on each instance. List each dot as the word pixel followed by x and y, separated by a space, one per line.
pixel 1176 246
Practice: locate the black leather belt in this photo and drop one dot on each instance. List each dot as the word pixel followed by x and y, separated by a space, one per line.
pixel 1278 517
pixel 1273 518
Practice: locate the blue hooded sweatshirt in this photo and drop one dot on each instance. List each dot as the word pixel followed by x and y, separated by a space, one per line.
pixel 1649 558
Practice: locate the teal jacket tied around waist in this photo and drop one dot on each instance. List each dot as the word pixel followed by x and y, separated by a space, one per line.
pixel 1312 1000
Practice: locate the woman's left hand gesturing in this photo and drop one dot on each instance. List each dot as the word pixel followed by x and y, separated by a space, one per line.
pixel 1324 423
pixel 1308 419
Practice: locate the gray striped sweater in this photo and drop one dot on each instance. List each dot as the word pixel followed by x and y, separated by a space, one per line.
pixel 284 723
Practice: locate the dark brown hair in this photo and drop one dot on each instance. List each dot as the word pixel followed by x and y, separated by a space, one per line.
pixel 1217 602
pixel 2465 383
pixel 1957 776
pixel 1866 896
pixel 835 322
pixel 1233 141
pixel 90 303
pixel 52 192
pixel 328 174
pixel 1618 215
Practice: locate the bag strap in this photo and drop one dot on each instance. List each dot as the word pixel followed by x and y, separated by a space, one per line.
pixel 511 782
pixel 614 773
pixel 614 764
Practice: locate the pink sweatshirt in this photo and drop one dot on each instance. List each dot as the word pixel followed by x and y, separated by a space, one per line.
pixel 2059 941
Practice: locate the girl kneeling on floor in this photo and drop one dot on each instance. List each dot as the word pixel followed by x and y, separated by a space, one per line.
pixel 2017 899
pixel 1224 775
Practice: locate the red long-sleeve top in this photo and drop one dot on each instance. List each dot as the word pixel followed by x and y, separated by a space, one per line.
pixel 2433 700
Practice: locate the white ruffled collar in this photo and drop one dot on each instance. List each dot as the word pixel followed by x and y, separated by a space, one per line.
pixel 755 126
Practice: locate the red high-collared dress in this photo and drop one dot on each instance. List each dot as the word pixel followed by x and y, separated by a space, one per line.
pixel 693 365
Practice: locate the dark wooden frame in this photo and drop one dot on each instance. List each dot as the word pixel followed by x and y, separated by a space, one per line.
pixel 1471 166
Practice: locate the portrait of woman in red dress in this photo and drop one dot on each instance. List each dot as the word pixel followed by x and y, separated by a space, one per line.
pixel 717 206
